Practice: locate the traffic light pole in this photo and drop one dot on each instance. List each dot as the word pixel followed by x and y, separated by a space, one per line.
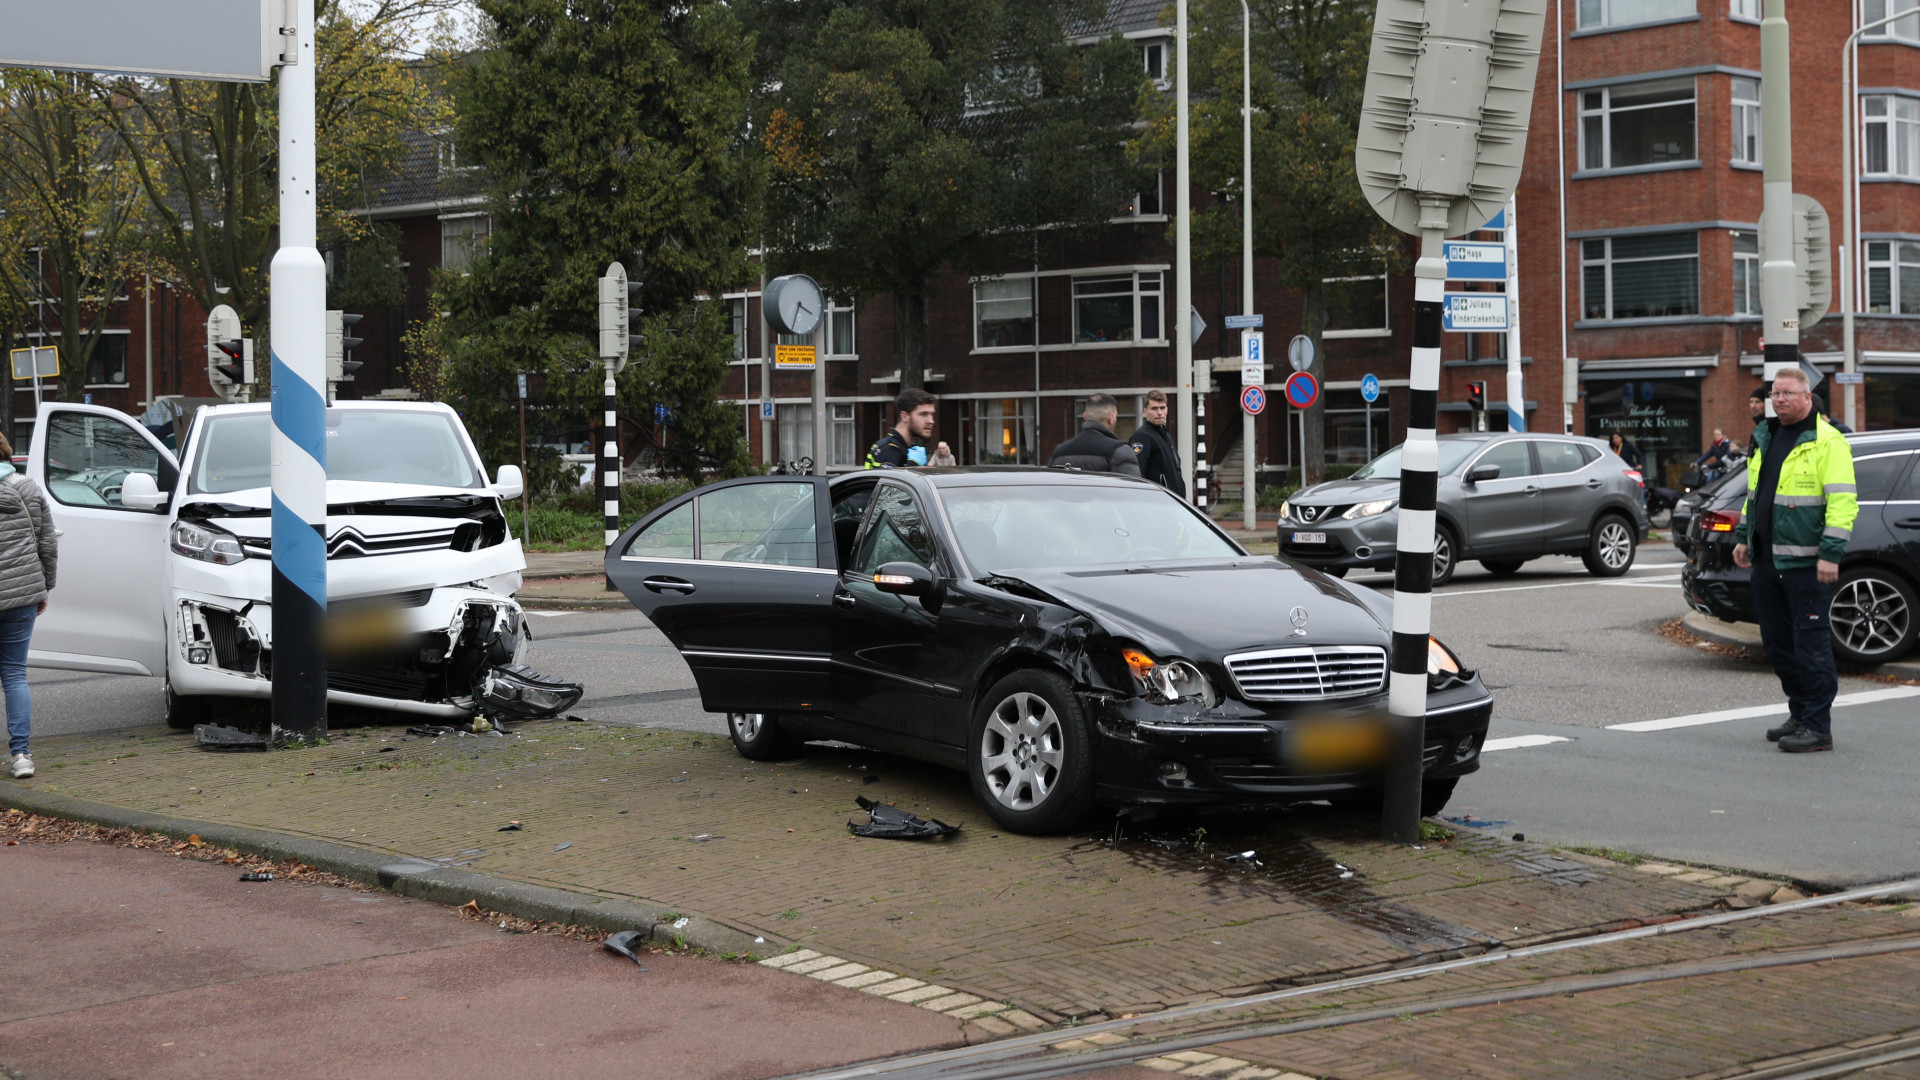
pixel 1779 274
pixel 299 452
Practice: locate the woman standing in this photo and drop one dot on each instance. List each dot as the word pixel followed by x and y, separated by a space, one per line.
pixel 1628 452
pixel 28 552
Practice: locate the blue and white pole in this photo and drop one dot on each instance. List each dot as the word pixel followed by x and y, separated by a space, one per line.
pixel 1516 386
pixel 1413 569
pixel 299 452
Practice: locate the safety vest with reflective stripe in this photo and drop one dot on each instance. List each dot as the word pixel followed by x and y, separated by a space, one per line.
pixel 1814 503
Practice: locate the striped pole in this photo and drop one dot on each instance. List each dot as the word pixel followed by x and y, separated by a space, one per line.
pixel 1413 568
pixel 610 464
pixel 298 469
pixel 1200 476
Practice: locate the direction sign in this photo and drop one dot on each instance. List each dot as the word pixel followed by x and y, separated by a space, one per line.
pixel 1476 262
pixel 1246 322
pixel 1300 352
pixel 793 358
pixel 1369 388
pixel 1499 221
pixel 1472 312
pixel 1253 399
pixel 1253 357
pixel 1302 390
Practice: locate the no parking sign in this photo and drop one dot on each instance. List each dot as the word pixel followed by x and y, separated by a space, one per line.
pixel 1253 400
pixel 1302 390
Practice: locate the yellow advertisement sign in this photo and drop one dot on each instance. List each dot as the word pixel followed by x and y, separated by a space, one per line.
pixel 793 357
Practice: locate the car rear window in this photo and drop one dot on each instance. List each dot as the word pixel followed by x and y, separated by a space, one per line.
pixel 1874 477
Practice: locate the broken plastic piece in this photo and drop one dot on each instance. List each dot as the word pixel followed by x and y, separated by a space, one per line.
pixel 521 693
pixel 511 826
pixel 623 943
pixel 576 719
pixel 217 737
pixel 261 876
pixel 564 846
pixel 1245 858
pixel 430 731
pixel 893 823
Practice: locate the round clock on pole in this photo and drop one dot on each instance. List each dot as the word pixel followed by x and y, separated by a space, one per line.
pixel 793 304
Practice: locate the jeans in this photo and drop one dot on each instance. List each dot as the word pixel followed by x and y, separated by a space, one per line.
pixel 16 630
pixel 1791 607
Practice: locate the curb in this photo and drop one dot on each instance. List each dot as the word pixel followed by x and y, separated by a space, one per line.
pixel 567 603
pixel 1746 637
pixel 418 878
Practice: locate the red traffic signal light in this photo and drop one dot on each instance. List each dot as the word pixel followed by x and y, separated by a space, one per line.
pixel 235 351
pixel 1477 395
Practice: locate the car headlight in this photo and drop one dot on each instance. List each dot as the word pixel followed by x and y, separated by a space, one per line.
pixel 206 544
pixel 1370 509
pixel 1286 510
pixel 1442 666
pixel 1171 681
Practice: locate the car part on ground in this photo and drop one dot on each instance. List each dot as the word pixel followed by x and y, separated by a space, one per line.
pixel 216 737
pixel 514 692
pixel 892 823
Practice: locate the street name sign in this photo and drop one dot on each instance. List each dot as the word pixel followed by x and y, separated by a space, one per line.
pixel 1850 378
pixel 223 40
pixel 1476 262
pixel 1253 358
pixel 1469 313
pixel 793 358
pixel 1246 322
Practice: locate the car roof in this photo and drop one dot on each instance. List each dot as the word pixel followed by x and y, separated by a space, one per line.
pixel 1896 439
pixel 996 476
pixel 240 408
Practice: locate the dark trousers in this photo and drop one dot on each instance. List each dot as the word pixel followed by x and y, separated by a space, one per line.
pixel 1791 606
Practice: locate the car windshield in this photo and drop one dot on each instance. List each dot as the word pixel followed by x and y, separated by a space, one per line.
pixel 386 446
pixel 1387 465
pixel 1069 525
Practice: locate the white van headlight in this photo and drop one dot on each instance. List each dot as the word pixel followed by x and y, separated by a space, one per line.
pixel 206 544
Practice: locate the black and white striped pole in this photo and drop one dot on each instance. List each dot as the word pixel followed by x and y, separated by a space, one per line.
pixel 616 343
pixel 1441 143
pixel 1200 388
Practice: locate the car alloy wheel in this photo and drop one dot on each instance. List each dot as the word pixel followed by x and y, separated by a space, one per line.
pixel 759 736
pixel 1446 554
pixel 1611 548
pixel 1872 617
pixel 1022 751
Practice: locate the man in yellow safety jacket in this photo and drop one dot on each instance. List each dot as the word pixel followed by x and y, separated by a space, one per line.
pixel 1794 530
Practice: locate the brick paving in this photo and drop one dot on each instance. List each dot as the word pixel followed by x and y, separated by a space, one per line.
pixel 1057 926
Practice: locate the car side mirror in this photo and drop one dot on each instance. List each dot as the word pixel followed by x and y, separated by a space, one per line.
pixel 905 579
pixel 138 491
pixel 1483 472
pixel 509 484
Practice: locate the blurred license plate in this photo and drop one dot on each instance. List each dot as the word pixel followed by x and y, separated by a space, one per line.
pixel 1309 538
pixel 362 630
pixel 1337 744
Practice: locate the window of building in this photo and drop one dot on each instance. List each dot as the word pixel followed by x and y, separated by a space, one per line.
pixel 1746 273
pixel 1644 123
pixel 1003 432
pixel 1356 306
pixel 461 239
pixel 1893 277
pixel 1746 121
pixel 1126 415
pixel 1890 145
pixel 1639 277
pixel 737 324
pixel 1153 56
pixel 107 366
pixel 1347 417
pixel 1746 9
pixel 1146 202
pixel 1117 307
pixel 1002 313
pixel 447 152
pixel 1903 30
pixel 839 328
pixel 1598 13
pixel 796 432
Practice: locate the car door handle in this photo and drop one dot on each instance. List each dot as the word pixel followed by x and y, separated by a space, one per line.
pixel 1532 491
pixel 1594 484
pixel 844 599
pixel 667 584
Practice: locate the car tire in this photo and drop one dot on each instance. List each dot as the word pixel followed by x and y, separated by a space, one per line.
pixel 1446 553
pixel 1611 547
pixel 1503 567
pixel 1434 795
pixel 1030 755
pixel 1874 615
pixel 183 711
pixel 759 736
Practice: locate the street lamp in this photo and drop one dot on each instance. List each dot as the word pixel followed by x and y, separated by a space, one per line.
pixel 1850 291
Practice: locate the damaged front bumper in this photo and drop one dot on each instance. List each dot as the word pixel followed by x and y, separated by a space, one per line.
pixel 1147 753
pixel 423 651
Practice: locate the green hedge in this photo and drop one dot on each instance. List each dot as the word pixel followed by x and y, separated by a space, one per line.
pixel 573 520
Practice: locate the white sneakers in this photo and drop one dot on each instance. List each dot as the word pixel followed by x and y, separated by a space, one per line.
pixel 22 766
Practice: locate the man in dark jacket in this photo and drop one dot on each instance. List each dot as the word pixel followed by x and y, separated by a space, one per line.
pixel 1097 448
pixel 1153 446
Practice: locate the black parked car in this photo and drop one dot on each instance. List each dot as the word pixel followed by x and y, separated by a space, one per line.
pixel 1876 604
pixel 1711 494
pixel 1067 639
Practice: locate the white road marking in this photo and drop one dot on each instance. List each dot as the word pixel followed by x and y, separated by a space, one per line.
pixel 1558 585
pixel 1865 697
pixel 547 614
pixel 1517 742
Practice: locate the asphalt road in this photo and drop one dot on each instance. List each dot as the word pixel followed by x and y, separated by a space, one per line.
pixel 1567 655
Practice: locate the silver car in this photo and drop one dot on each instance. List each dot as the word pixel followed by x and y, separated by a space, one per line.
pixel 1503 498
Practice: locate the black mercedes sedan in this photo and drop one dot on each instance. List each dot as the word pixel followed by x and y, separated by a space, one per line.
pixel 1070 640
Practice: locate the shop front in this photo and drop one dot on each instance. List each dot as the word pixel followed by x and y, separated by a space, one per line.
pixel 1658 412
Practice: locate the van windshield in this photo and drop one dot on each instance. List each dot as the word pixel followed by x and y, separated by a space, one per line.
pixel 382 446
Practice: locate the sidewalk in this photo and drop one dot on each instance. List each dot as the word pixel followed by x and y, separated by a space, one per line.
pixel 567 581
pixel 671 825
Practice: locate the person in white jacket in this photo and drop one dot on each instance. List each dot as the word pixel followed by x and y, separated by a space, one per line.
pixel 29 553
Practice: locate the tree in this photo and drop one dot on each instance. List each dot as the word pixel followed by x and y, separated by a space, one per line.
pixel 902 138
pixel 606 130
pixel 1310 219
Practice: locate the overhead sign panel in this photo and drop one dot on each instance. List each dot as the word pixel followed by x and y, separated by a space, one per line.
pixel 1476 262
pixel 1475 312
pixel 222 40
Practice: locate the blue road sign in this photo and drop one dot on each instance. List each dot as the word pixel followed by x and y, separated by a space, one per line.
pixel 1476 262
pixel 1370 388
pixel 1499 221
pixel 766 410
pixel 1471 313
pixel 1302 390
pixel 1253 399
pixel 1246 322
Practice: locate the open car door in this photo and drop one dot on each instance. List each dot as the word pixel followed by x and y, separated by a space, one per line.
pixel 107 611
pixel 739 575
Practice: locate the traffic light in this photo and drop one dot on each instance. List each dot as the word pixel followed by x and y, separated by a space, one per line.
pixel 340 362
pixel 1477 395
pixel 616 317
pixel 229 356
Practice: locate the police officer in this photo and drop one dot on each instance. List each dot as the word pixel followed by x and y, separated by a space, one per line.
pixel 1794 530
pixel 914 413
pixel 1097 448
pixel 1153 446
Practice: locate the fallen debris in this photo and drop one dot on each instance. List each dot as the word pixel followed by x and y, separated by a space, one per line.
pixel 511 826
pixel 623 943
pixel 218 737
pixel 430 731
pixel 514 692
pixel 892 823
pixel 870 780
pixel 260 876
pixel 1245 858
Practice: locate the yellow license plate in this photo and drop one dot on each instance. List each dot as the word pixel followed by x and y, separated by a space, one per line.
pixel 1337 744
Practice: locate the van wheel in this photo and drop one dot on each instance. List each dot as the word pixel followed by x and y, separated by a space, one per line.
pixel 1610 549
pixel 1031 755
pixel 1875 616
pixel 759 736
pixel 185 710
